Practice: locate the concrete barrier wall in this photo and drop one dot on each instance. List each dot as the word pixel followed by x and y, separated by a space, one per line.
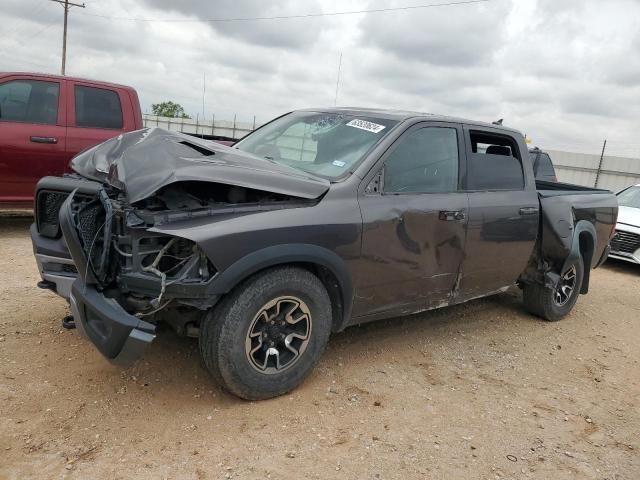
pixel 582 169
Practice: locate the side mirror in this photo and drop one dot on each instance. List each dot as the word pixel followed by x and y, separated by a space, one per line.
pixel 375 185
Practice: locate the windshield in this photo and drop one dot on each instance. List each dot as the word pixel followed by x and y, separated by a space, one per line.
pixel 326 144
pixel 630 197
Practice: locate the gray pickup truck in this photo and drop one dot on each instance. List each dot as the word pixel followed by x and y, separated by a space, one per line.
pixel 318 220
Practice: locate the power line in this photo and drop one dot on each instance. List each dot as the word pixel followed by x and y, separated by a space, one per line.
pixel 31 37
pixel 286 17
pixel 39 9
pixel 12 61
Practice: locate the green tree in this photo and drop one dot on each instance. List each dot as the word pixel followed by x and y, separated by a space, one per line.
pixel 169 109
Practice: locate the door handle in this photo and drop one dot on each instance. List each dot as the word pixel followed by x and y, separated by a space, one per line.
pixel 451 216
pixel 44 139
pixel 529 211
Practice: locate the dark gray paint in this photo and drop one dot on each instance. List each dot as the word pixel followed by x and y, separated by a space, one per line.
pixel 399 256
pixel 389 254
pixel 410 258
pixel 500 235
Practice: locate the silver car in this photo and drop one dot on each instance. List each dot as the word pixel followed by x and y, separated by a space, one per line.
pixel 625 244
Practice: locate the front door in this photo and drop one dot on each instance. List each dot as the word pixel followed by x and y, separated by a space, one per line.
pixel 32 136
pixel 414 223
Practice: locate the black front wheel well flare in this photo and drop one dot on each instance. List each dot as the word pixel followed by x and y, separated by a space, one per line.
pixel 328 279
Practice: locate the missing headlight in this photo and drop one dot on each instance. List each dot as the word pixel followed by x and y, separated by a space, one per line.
pixel 164 261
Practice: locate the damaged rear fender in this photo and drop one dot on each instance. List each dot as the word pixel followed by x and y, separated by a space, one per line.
pixel 582 245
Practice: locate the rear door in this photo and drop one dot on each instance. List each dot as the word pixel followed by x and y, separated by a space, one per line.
pixel 414 223
pixel 503 212
pixel 32 135
pixel 95 115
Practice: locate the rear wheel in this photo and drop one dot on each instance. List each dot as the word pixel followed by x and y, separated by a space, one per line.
pixel 268 334
pixel 555 304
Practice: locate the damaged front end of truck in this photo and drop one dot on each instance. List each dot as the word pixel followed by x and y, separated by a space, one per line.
pixel 131 273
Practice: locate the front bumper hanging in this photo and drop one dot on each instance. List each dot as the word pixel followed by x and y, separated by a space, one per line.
pixel 119 336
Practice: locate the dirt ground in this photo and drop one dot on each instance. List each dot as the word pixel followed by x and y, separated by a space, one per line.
pixel 482 390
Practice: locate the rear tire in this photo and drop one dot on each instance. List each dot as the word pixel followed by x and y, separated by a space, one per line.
pixel 554 304
pixel 268 334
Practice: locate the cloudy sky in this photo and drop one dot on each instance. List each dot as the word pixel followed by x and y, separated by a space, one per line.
pixel 566 72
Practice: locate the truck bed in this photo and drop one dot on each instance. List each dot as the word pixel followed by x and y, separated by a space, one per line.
pixel 567 210
pixel 552 189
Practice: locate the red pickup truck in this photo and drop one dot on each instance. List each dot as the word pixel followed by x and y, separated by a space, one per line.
pixel 45 120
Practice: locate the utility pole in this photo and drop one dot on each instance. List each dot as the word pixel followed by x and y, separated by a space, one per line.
pixel 66 4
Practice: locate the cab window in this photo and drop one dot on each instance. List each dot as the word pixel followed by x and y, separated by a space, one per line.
pixel 494 163
pixel 544 167
pixel 423 161
pixel 29 101
pixel 97 108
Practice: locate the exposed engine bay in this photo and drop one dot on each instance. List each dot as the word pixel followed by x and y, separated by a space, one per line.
pixel 191 199
pixel 132 184
pixel 152 275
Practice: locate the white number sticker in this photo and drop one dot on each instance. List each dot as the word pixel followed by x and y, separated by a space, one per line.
pixel 365 125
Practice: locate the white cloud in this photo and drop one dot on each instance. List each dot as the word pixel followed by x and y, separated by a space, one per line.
pixel 567 73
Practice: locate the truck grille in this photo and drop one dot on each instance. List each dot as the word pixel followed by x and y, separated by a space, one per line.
pixel 93 225
pixel 90 220
pixel 625 242
pixel 48 205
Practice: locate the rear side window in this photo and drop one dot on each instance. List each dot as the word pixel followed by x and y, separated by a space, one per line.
pixel 544 167
pixel 494 163
pixel 29 101
pixel 97 108
pixel 423 161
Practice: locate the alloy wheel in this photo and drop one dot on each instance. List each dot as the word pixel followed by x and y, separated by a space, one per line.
pixel 278 335
pixel 565 288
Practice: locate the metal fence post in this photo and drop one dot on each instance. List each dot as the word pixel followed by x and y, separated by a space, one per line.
pixel 604 145
pixel 233 133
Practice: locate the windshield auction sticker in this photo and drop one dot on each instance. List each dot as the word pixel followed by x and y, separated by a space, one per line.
pixel 365 125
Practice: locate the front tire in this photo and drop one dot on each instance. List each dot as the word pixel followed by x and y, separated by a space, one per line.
pixel 555 304
pixel 268 334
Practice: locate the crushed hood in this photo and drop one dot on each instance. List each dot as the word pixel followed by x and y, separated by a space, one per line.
pixel 141 162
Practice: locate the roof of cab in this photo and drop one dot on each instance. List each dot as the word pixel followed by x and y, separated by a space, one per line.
pixel 49 76
pixel 401 115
